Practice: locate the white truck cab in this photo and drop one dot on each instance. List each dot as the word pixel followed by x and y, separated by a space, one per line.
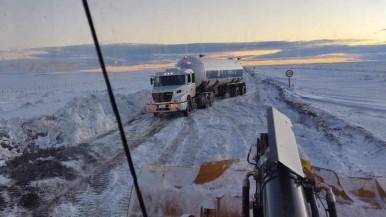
pixel 172 91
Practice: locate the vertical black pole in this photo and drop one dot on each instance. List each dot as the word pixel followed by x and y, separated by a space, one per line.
pixel 289 81
pixel 115 109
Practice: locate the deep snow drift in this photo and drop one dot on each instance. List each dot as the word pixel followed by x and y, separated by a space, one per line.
pixel 73 162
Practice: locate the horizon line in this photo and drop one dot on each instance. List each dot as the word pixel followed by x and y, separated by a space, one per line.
pixel 345 42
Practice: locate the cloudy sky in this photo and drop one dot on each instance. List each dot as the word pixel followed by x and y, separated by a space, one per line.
pixel 48 23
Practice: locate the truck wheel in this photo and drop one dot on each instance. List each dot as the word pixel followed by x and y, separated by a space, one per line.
pixel 205 104
pixel 232 92
pixel 186 112
pixel 244 90
pixel 211 99
pixel 208 103
pixel 156 115
pixel 203 101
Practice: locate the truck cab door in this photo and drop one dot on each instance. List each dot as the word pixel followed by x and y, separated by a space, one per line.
pixel 191 85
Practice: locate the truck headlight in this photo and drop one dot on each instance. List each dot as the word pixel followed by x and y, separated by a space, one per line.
pixel 176 100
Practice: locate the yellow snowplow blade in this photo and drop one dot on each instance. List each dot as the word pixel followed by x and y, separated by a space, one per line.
pixel 368 193
pixel 214 189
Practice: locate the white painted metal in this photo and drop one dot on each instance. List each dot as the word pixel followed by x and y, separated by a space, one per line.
pixel 282 143
pixel 201 66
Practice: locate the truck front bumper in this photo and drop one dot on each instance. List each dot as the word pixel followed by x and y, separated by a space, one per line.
pixel 166 107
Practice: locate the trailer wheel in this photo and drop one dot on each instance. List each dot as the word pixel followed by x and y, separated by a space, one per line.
pixel 221 92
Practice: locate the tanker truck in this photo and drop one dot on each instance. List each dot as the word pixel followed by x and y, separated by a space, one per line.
pixel 194 83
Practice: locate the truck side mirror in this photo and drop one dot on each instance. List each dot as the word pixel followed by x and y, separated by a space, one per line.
pixel 151 81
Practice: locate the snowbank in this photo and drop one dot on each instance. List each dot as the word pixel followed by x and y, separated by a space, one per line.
pixel 78 121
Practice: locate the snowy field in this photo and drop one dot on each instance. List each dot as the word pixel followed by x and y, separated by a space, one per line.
pixel 73 162
pixel 350 99
pixel 32 94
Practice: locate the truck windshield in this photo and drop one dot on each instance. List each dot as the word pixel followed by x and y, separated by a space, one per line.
pixel 169 80
pixel 185 102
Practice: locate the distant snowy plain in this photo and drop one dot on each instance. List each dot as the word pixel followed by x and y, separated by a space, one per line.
pixel 338 113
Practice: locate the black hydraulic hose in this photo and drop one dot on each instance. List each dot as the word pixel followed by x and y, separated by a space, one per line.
pixel 245 195
pixel 330 198
pixel 249 161
pixel 314 207
pixel 331 204
pixel 115 109
pixel 332 209
pixel 308 186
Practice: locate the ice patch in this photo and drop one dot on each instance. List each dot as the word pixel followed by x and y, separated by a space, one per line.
pixel 4 181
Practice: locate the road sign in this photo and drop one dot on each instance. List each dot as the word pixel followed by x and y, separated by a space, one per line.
pixel 289 73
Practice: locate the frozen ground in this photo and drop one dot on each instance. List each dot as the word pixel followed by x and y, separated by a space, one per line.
pixel 73 164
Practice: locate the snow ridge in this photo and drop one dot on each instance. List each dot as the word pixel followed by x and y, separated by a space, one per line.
pixel 79 120
pixel 354 145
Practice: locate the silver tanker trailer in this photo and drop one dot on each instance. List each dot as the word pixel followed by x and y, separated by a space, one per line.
pixel 194 82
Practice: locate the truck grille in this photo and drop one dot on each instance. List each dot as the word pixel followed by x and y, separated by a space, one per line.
pixel 162 97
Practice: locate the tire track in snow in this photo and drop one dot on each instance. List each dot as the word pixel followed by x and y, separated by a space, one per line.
pixel 181 142
pixel 177 132
pixel 245 121
pixel 98 177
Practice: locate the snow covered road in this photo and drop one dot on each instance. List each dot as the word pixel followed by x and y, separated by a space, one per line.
pixel 207 135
